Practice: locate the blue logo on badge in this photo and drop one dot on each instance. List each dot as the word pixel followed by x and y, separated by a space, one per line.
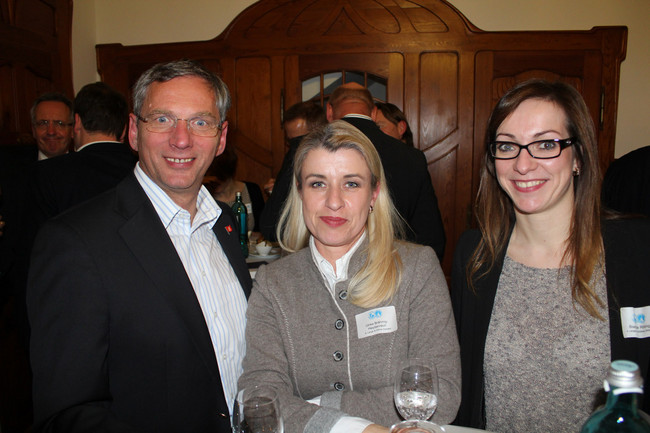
pixel 374 314
pixel 639 318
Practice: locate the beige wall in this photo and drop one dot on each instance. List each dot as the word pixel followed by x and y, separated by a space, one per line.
pixel 132 22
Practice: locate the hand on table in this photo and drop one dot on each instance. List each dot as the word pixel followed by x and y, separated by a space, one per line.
pixel 376 428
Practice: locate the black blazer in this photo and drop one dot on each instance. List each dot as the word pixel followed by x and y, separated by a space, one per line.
pixel 64 181
pixel 627 253
pixel 273 207
pixel 257 202
pixel 410 186
pixel 119 342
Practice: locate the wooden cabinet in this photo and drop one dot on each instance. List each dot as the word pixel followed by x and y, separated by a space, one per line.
pixel 34 58
pixel 445 74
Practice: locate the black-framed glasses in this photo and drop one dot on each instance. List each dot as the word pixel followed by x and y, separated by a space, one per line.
pixel 202 126
pixel 540 149
pixel 58 124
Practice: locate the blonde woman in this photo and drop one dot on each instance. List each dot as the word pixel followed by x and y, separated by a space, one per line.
pixel 309 332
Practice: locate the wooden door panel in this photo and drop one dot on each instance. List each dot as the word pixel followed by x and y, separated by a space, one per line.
pixel 438 98
pixel 252 119
pixel 444 141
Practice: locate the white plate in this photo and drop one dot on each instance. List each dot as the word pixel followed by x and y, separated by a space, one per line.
pixel 270 256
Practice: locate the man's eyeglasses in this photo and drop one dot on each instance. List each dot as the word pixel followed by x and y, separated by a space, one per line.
pixel 541 149
pixel 202 126
pixel 58 124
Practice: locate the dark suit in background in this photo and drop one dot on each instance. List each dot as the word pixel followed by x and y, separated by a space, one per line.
pixel 626 186
pixel 410 186
pixel 273 207
pixel 62 182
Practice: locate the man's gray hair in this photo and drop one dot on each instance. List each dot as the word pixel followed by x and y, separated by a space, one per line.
pixel 163 72
pixel 53 97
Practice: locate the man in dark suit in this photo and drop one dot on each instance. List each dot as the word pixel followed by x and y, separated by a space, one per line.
pixel 52 123
pixel 626 186
pixel 298 120
pixel 100 161
pixel 137 297
pixel 406 170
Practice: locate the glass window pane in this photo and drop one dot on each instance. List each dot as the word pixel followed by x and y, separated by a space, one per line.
pixel 355 77
pixel 331 81
pixel 377 87
pixel 311 88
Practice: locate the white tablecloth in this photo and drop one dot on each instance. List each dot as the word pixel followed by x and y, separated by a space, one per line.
pixel 456 429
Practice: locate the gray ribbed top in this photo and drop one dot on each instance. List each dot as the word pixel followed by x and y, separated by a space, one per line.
pixel 545 360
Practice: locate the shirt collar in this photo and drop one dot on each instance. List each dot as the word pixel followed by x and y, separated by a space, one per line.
pixel 207 209
pixel 359 116
pixel 93 142
pixel 326 269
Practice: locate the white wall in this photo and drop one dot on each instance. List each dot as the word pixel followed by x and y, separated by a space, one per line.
pixel 131 22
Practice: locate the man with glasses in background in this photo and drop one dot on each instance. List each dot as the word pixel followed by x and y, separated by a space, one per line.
pixel 137 298
pixel 52 121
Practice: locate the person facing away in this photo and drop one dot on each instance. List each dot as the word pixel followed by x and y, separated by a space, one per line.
pixel 52 121
pixel 406 169
pixel 392 121
pixel 546 293
pixel 626 186
pixel 137 297
pixel 298 120
pixel 100 159
pixel 308 335
pixel 224 187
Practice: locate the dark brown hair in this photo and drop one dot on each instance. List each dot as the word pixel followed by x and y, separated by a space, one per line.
pixel 494 209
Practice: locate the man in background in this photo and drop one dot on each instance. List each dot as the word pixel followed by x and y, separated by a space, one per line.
pixel 298 120
pixel 52 121
pixel 100 161
pixel 406 169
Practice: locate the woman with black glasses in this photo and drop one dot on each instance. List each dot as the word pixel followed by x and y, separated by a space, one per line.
pixel 548 290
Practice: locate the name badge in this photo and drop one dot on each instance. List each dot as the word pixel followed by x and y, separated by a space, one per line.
pixel 249 208
pixel 635 322
pixel 376 321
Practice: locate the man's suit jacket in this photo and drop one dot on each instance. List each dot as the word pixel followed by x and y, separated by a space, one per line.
pixel 281 188
pixel 119 342
pixel 410 186
pixel 59 183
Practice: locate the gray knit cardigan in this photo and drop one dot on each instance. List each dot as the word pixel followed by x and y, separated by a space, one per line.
pixel 302 340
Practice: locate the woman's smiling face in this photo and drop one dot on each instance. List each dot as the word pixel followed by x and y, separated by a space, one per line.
pixel 537 186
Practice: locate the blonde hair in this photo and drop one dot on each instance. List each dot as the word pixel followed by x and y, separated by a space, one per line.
pixel 377 281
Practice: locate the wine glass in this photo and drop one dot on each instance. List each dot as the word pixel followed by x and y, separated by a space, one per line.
pixel 256 410
pixel 416 396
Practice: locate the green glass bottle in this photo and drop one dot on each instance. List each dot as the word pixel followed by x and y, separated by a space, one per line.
pixel 620 414
pixel 242 219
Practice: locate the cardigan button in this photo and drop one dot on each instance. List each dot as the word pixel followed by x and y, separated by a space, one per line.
pixel 338 356
pixel 343 294
pixel 339 386
pixel 339 324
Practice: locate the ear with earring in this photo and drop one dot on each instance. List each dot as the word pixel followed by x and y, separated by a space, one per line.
pixel 371 208
pixel 576 172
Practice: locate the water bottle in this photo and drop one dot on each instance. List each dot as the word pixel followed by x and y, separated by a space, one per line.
pixel 242 219
pixel 620 414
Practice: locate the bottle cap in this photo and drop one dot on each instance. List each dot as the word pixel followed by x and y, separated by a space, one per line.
pixel 624 374
pixel 238 194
